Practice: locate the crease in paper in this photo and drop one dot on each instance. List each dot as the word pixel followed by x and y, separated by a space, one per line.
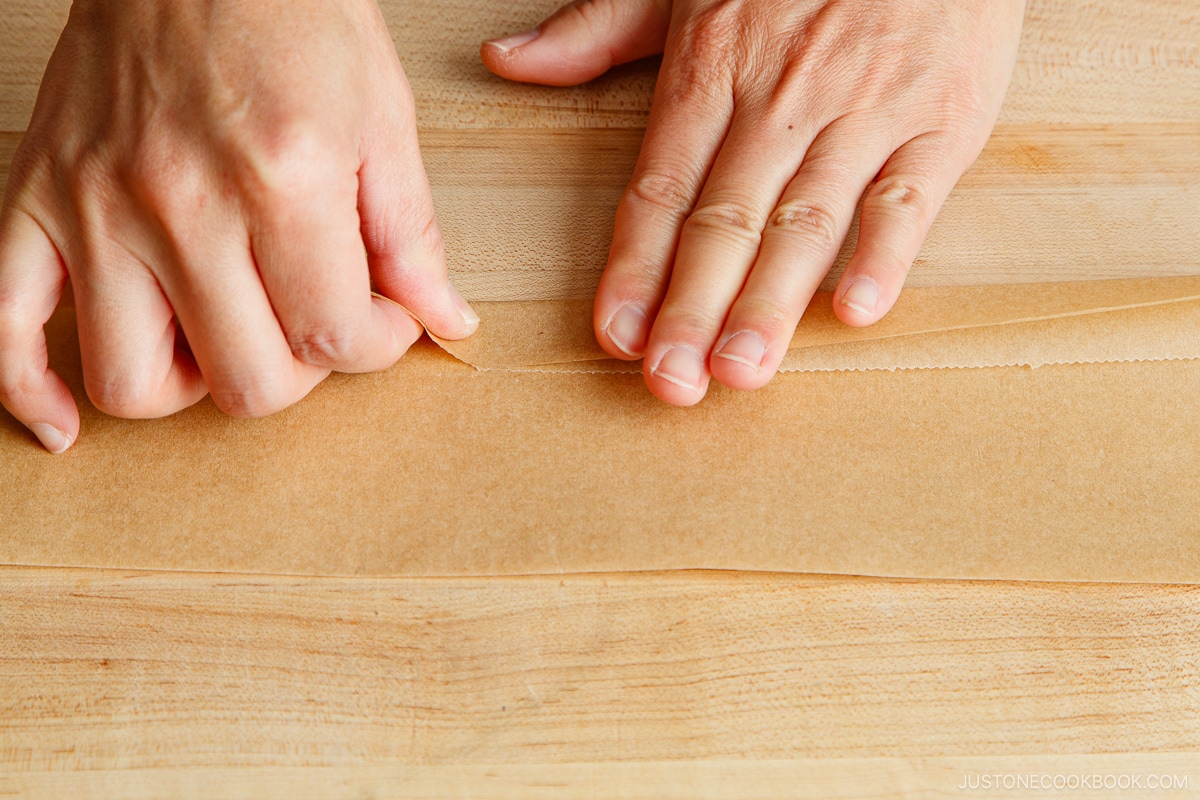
pixel 953 326
pixel 1163 332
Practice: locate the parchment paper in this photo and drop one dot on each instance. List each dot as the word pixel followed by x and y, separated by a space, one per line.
pixel 1064 472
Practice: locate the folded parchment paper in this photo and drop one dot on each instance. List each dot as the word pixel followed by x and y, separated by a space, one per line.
pixel 1065 472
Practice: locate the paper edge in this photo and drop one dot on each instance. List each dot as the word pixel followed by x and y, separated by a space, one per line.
pixel 1113 285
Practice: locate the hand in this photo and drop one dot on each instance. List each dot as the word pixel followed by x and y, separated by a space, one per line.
pixel 771 120
pixel 221 181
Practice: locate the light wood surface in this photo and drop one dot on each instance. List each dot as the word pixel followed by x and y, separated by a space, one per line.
pixel 153 684
pixel 1082 62
pixel 149 685
pixel 1041 204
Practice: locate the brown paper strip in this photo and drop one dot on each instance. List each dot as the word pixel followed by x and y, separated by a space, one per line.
pixel 1080 472
pixel 1077 472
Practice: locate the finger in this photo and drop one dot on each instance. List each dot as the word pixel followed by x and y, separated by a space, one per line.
pixel 897 212
pixel 133 365
pixel 801 240
pixel 717 247
pixel 404 245
pixel 309 250
pixel 581 41
pixel 31 281
pixel 688 121
pixel 233 333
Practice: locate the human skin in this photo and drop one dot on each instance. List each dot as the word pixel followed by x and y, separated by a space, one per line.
pixel 771 121
pixel 222 181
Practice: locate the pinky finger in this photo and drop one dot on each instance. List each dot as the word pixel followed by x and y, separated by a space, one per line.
pixel 31 281
pixel 898 210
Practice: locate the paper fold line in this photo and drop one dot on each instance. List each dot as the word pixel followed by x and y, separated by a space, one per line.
pixel 556 335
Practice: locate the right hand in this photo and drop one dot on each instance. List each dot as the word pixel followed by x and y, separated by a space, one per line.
pixel 772 120
pixel 233 173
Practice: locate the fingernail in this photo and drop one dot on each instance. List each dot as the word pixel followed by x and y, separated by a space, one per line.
pixel 627 330
pixel 862 295
pixel 51 437
pixel 745 347
pixel 470 318
pixel 681 366
pixel 516 40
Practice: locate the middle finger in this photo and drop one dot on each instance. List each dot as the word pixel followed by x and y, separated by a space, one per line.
pixel 717 247
pixel 233 332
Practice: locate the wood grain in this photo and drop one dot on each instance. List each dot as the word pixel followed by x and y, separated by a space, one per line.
pixel 527 214
pixel 189 674
pixel 1090 174
pixel 796 779
pixel 1081 62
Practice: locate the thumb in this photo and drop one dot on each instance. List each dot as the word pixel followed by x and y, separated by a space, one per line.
pixel 583 40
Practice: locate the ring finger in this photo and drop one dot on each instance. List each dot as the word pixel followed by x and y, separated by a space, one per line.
pixel 800 243
pixel 128 340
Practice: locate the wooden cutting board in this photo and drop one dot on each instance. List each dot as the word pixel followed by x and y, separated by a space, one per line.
pixel 687 684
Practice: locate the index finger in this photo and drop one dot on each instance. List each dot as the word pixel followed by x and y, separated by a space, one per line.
pixel 689 120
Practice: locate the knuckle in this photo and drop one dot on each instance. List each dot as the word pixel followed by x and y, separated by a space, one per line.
pixel 428 236
pixel 714 30
pixel 899 193
pixel 595 15
pixel 14 389
pixel 793 85
pixel 15 379
pixel 689 322
pixel 329 345
pixel 726 218
pixel 665 189
pixel 698 81
pixel 89 172
pixel 896 190
pixel 709 38
pixel 292 160
pixel 410 251
pixel 968 110
pixel 166 180
pixel 809 220
pixel 13 325
pixel 251 397
pixel 119 396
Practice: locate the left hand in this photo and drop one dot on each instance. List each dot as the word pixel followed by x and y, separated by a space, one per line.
pixel 771 120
